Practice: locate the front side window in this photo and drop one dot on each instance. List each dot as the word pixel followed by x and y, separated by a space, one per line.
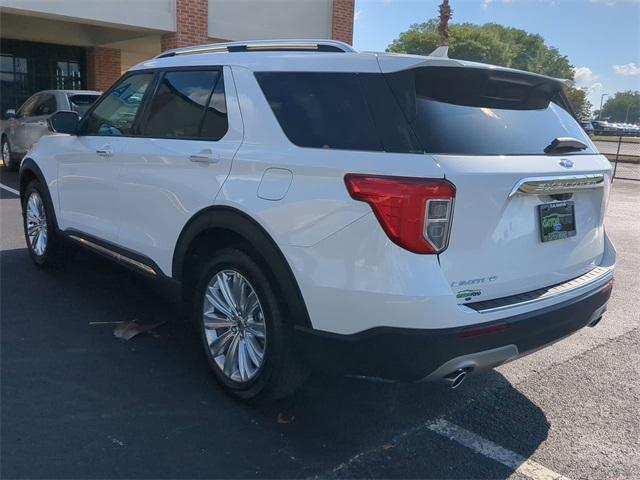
pixel 46 105
pixel 188 104
pixel 116 113
pixel 28 107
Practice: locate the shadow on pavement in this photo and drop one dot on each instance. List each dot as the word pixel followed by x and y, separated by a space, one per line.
pixel 77 402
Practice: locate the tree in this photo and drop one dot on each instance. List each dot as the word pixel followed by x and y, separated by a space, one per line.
pixel 489 43
pixel 623 107
pixel 581 106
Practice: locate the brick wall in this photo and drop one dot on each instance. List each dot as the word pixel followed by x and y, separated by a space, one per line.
pixel 342 26
pixel 103 67
pixel 191 25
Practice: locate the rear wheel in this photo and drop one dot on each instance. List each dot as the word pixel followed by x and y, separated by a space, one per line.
pixel 246 338
pixel 39 230
pixel 6 155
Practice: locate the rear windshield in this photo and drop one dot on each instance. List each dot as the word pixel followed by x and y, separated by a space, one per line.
pixel 80 103
pixel 445 110
pixel 480 112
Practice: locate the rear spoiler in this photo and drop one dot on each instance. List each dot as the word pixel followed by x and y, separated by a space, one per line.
pixel 390 63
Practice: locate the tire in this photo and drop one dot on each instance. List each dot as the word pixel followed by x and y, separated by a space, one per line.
pixel 46 249
pixel 6 155
pixel 274 374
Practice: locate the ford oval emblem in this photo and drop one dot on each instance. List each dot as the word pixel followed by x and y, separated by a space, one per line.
pixel 566 163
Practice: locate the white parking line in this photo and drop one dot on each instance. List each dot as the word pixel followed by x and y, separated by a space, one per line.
pixel 9 189
pixel 491 450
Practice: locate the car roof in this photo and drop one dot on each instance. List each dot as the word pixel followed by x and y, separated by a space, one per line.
pixel 342 59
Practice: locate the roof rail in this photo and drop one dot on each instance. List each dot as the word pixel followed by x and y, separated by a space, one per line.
pixel 262 45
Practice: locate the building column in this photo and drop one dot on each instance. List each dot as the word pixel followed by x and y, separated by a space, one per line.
pixel 342 20
pixel 192 25
pixel 103 67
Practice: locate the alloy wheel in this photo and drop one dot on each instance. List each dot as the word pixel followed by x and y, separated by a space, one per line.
pixel 36 224
pixel 234 326
pixel 6 153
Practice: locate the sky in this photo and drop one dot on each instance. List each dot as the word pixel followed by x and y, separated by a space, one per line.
pixel 600 37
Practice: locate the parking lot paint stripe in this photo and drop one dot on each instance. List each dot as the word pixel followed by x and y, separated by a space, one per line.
pixel 495 452
pixel 9 189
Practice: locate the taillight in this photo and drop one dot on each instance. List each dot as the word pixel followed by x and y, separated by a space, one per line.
pixel 415 213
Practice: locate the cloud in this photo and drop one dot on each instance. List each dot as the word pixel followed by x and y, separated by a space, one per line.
pixel 584 76
pixel 627 70
pixel 487 3
pixel 357 15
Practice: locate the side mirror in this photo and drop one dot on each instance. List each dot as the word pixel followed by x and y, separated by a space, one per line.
pixel 64 121
pixel 10 113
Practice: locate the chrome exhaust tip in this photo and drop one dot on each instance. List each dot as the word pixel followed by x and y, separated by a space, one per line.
pixel 595 322
pixel 455 378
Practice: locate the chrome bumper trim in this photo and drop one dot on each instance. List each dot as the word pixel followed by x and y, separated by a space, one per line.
pixel 513 301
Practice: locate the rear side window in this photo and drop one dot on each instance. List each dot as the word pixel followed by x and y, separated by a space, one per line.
pixel 320 110
pixel 347 111
pixel 81 102
pixel 184 102
pixel 479 112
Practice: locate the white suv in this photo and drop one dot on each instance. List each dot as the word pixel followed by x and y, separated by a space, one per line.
pixel 394 216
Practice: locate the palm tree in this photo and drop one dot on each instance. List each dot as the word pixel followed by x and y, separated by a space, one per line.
pixel 443 27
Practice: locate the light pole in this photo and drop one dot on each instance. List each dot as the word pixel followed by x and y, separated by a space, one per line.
pixel 600 111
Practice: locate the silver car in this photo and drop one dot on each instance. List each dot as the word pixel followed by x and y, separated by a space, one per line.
pixel 23 128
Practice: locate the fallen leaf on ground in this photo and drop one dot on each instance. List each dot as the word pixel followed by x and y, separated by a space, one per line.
pixel 128 330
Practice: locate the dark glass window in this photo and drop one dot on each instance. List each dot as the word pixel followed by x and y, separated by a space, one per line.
pixel 80 103
pixel 116 113
pixel 480 112
pixel 30 67
pixel 178 107
pixel 46 105
pixel 28 107
pixel 321 110
pixel 215 123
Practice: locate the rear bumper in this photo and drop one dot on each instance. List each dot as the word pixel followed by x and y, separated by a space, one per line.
pixel 417 354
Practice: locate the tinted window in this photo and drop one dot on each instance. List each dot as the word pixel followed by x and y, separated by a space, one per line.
pixel 480 112
pixel 178 107
pixel 27 108
pixel 80 103
pixel 321 110
pixel 215 122
pixel 116 113
pixel 46 105
pixel 349 111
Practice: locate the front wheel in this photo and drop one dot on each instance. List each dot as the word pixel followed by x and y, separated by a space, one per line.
pixel 246 338
pixel 39 229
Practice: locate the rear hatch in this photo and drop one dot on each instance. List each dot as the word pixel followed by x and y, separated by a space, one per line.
pixel 530 186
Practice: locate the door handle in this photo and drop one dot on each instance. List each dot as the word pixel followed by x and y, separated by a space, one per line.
pixel 205 156
pixel 106 151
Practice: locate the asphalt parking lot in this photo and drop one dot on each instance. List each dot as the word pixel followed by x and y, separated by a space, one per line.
pixel 78 403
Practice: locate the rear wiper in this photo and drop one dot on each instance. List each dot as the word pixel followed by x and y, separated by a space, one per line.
pixel 564 144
